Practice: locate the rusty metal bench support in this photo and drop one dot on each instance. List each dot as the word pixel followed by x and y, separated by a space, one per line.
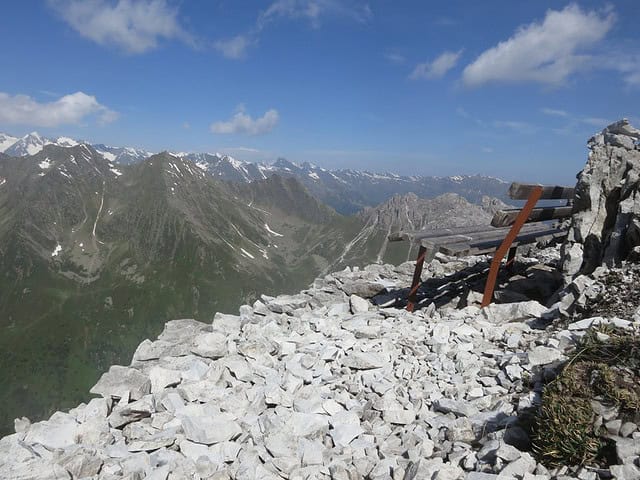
pixel 534 196
pixel 415 284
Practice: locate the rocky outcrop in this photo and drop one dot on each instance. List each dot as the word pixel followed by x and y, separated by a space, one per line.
pixel 410 212
pixel 605 227
pixel 322 384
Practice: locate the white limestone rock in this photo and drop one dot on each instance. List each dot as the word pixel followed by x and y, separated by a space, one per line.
pixel 358 304
pixel 119 381
pixel 210 345
pixel 227 324
pixel 57 432
pixel 345 427
pixel 544 355
pixel 513 312
pixel 365 360
pixel 162 378
pixel 210 430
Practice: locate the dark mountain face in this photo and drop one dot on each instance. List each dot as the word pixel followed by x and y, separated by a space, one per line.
pixel 97 256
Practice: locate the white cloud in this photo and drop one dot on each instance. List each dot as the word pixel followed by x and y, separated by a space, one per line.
pixel 134 26
pixel 466 115
pixel 633 78
pixel 487 149
pixel 595 121
pixel 624 61
pixel 235 47
pixel 436 69
pixel 241 149
pixel 241 122
pixel 547 52
pixel 517 126
pixel 69 109
pixel 394 57
pixel 312 11
pixel 554 112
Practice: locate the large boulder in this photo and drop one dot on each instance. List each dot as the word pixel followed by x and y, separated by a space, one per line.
pixel 605 225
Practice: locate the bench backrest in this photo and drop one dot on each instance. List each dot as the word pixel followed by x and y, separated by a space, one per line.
pixel 522 191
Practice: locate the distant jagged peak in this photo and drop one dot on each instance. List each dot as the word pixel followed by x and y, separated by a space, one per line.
pixel 32 143
pixel 285 164
pixel 410 212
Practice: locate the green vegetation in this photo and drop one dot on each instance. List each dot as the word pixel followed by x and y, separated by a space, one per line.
pixel 605 368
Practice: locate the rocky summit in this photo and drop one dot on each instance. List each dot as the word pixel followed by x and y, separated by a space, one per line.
pixel 340 382
pixel 322 384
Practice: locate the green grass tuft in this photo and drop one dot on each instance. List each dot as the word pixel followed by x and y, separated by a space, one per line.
pixel 602 369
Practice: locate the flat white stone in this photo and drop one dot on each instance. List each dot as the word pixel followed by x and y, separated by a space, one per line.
pixel 440 333
pixel 210 430
pixel 227 324
pixel 210 345
pixel 162 378
pixel 345 427
pixel 544 355
pixel 121 379
pixel 308 424
pixel 358 304
pixel 399 417
pixel 365 360
pixel 57 432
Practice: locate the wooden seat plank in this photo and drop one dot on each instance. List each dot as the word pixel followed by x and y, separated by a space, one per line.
pixel 417 235
pixel 488 246
pixel 505 218
pixel 489 235
pixel 521 191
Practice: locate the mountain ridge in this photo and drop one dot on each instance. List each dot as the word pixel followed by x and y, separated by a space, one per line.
pixel 346 190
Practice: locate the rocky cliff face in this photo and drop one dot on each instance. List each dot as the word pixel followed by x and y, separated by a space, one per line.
pixel 410 212
pixel 606 222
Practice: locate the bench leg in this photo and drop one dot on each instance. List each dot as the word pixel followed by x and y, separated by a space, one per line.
pixel 511 257
pixel 521 219
pixel 415 284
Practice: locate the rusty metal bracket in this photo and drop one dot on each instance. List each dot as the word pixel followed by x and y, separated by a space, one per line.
pixel 415 284
pixel 534 196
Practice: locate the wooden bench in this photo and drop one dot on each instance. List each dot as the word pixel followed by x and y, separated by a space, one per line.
pixel 508 229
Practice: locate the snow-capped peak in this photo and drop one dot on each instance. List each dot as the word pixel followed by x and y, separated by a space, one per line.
pixel 6 141
pixel 30 144
pixel 66 142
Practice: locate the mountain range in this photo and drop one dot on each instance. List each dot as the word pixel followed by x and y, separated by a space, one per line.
pixel 347 191
pixel 97 255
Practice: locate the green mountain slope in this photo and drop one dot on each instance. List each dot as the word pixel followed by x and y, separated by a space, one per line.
pixel 96 258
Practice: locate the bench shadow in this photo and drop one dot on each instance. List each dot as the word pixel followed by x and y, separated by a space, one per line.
pixel 516 283
pixel 438 290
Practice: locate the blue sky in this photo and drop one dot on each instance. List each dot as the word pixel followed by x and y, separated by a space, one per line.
pixel 506 88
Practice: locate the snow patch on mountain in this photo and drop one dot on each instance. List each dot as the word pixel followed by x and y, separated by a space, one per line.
pixel 45 164
pixel 266 227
